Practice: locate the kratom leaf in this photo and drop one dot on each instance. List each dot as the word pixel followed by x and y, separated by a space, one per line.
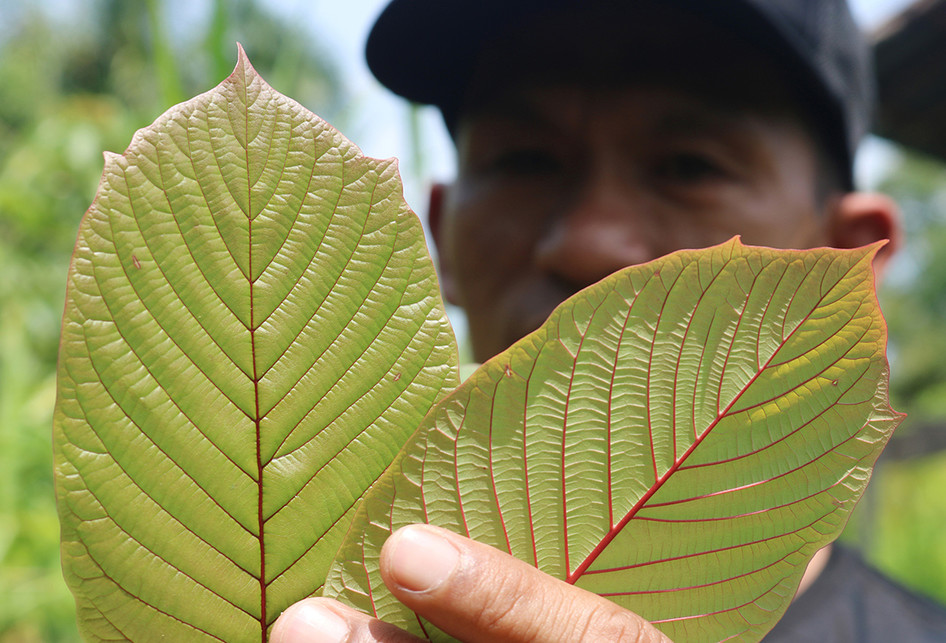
pixel 252 330
pixel 680 437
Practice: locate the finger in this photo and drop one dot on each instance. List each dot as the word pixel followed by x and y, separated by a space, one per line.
pixel 478 593
pixel 322 620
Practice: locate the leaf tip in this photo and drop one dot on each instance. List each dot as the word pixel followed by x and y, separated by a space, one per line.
pixel 735 243
pixel 866 255
pixel 244 68
pixel 874 248
pixel 241 55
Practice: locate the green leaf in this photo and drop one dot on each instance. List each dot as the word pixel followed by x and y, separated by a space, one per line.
pixel 252 330
pixel 680 437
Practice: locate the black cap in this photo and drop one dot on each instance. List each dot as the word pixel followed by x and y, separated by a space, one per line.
pixel 426 51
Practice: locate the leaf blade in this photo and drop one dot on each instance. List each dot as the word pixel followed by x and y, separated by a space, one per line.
pixel 252 329
pixel 707 493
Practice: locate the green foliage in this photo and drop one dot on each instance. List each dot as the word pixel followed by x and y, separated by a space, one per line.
pixel 915 293
pixel 905 516
pixel 46 176
pixel 72 89
pixel 911 521
pixel 252 330
pixel 680 437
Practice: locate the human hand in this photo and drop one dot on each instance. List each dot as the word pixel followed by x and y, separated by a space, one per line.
pixel 471 591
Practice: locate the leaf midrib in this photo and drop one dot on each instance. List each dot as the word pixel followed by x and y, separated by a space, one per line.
pixel 574 576
pixel 256 378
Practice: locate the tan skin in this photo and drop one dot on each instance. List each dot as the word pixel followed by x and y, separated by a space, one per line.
pixel 570 185
pixel 560 185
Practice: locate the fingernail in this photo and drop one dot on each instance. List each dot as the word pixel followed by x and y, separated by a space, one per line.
pixel 421 559
pixel 309 622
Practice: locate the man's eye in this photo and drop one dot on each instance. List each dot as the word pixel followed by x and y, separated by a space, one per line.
pixel 526 162
pixel 688 167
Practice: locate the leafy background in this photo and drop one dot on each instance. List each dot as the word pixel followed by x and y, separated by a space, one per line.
pixel 79 77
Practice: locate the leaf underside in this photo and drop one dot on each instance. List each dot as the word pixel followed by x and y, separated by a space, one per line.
pixel 680 437
pixel 252 330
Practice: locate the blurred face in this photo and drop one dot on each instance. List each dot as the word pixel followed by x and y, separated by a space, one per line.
pixel 559 186
pixel 579 155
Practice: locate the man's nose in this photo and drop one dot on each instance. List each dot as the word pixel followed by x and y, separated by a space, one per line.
pixel 607 226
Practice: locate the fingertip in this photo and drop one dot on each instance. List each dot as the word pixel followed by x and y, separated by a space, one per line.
pixel 311 621
pixel 476 592
pixel 419 558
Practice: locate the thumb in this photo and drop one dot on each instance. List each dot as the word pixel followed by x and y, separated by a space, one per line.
pixel 477 593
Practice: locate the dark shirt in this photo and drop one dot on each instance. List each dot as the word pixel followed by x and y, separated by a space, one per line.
pixel 850 602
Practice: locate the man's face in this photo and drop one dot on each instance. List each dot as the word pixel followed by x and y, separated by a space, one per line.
pixel 561 185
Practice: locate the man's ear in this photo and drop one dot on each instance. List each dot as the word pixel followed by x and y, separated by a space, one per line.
pixel 861 218
pixel 435 219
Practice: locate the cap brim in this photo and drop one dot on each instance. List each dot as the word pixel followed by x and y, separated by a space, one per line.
pixel 427 50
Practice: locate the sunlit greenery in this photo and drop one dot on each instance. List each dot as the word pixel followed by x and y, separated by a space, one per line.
pixel 69 92
pixel 71 87
pixel 905 537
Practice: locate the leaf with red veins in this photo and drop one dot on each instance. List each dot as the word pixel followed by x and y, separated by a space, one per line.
pixel 681 437
pixel 243 287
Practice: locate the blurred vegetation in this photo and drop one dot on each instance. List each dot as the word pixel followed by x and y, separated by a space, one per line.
pixel 907 501
pixel 75 85
pixel 915 290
